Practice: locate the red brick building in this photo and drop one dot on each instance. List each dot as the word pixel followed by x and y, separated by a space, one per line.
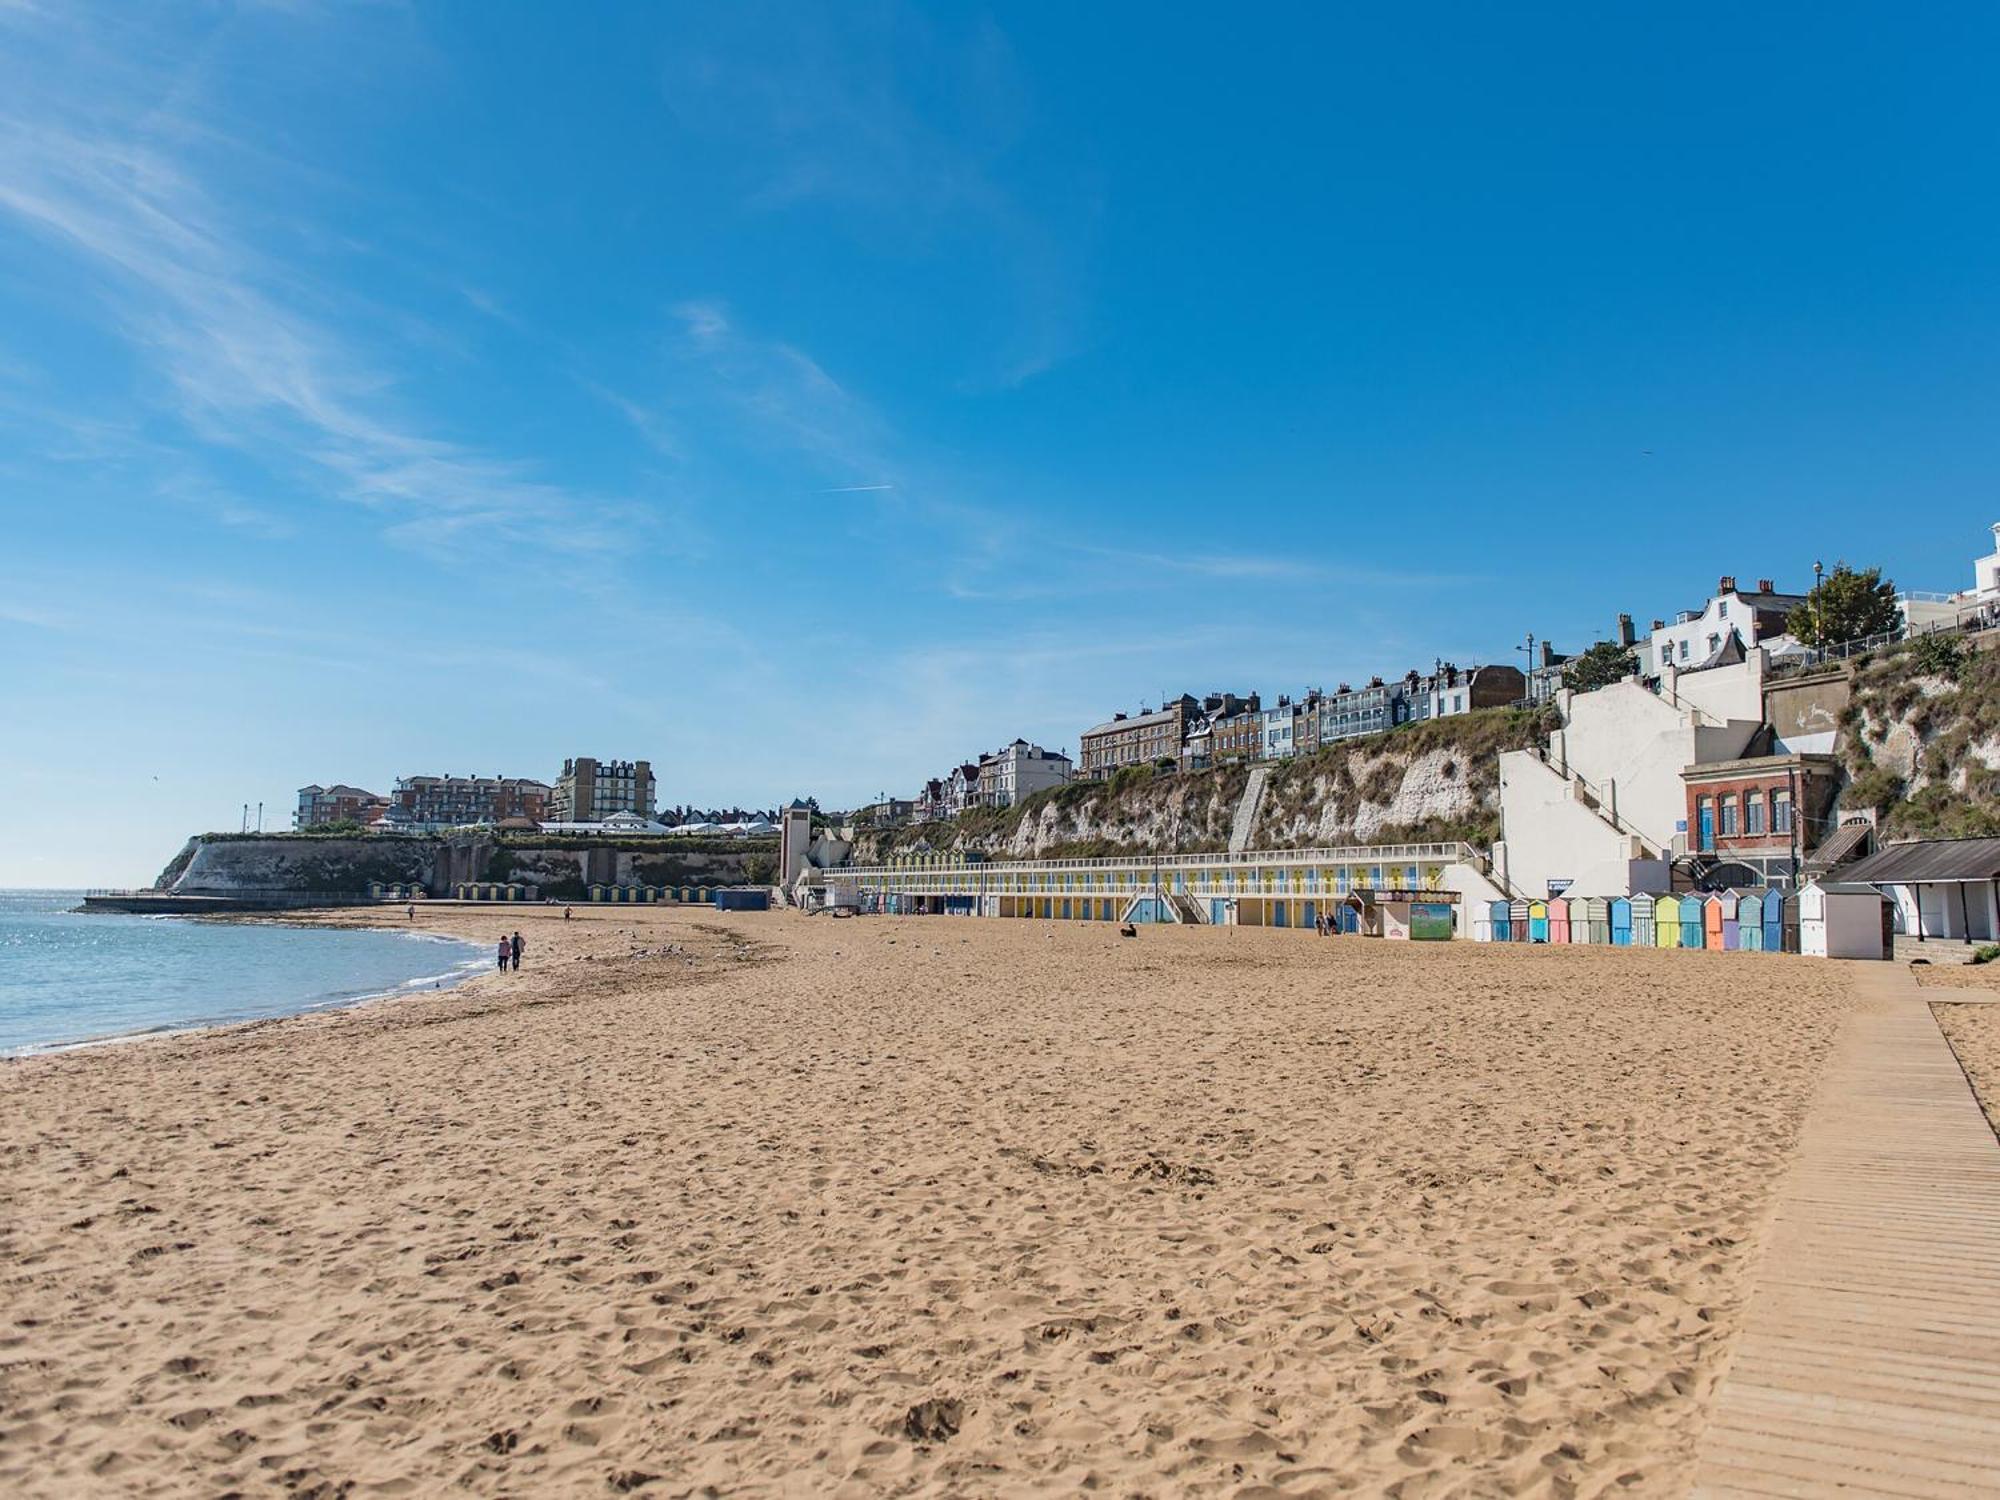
pixel 1764 813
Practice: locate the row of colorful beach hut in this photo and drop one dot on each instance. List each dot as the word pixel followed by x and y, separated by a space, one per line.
pixel 1759 920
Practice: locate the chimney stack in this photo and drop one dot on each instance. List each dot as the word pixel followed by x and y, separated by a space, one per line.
pixel 1626 634
pixel 1659 624
pixel 1726 584
pixel 1765 586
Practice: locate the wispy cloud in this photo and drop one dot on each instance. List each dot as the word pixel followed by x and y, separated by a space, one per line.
pixel 249 354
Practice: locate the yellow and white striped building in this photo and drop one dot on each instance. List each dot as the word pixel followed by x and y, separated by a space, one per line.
pixel 1393 889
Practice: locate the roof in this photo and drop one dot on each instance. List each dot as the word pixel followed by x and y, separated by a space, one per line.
pixel 1758 600
pixel 1845 888
pixel 1162 716
pixel 1840 845
pixel 1928 860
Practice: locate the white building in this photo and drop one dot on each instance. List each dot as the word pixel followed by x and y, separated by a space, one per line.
pixel 961 789
pixel 1277 730
pixel 1840 919
pixel 1603 809
pixel 1019 770
pixel 1979 601
pixel 1697 637
pixel 1937 888
pixel 1986 571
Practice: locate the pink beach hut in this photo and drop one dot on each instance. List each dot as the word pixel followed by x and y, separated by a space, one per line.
pixel 1558 920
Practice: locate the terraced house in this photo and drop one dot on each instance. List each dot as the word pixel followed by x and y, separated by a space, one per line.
pixel 1137 740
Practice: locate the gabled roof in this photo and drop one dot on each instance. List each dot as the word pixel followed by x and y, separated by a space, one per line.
pixel 1928 860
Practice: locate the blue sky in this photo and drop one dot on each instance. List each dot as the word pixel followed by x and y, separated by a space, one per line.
pixel 804 397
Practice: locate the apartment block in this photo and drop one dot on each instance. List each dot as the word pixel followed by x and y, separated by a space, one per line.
pixel 589 791
pixel 340 803
pixel 428 803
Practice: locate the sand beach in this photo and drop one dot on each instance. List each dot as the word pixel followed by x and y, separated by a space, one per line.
pixel 768 1204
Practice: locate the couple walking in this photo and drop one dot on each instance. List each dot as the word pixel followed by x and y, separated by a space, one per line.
pixel 509 952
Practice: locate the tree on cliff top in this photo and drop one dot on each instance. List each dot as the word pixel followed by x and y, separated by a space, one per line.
pixel 1846 606
pixel 1603 664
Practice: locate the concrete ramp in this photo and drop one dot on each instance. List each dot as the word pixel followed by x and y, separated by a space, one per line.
pixel 1245 820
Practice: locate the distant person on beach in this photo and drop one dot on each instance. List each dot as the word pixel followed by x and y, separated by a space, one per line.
pixel 413 913
pixel 516 946
pixel 506 952
pixel 568 912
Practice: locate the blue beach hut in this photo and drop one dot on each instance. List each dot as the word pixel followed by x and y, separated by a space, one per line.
pixel 1499 915
pixel 1621 921
pixel 1692 909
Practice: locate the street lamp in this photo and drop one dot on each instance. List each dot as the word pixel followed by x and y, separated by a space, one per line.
pixel 1530 650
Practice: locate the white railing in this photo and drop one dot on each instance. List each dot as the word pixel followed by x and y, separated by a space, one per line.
pixel 1352 854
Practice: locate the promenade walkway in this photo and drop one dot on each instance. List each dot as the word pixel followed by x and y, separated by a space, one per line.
pixel 1869 1361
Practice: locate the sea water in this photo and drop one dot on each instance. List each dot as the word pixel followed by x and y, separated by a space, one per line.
pixel 68 976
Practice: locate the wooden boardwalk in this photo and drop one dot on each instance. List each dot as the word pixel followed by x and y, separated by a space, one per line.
pixel 1869 1361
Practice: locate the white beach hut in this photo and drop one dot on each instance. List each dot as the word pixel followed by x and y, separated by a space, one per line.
pixel 1840 919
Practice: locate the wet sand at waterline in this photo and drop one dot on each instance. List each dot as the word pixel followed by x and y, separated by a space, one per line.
pixel 777 1204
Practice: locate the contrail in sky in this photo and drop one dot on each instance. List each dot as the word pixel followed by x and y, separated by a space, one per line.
pixel 854 489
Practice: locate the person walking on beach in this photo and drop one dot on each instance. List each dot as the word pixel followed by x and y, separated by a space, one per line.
pixel 506 951
pixel 517 945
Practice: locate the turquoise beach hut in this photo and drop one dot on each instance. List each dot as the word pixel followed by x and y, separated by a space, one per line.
pixel 1750 921
pixel 1692 910
pixel 1538 921
pixel 1621 921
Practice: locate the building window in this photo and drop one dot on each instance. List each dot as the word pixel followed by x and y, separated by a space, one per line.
pixel 1781 812
pixel 1753 812
pixel 1728 829
pixel 1684 650
pixel 1705 821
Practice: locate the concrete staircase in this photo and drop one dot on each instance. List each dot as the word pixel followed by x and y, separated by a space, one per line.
pixel 1602 802
pixel 1246 810
pixel 1186 909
